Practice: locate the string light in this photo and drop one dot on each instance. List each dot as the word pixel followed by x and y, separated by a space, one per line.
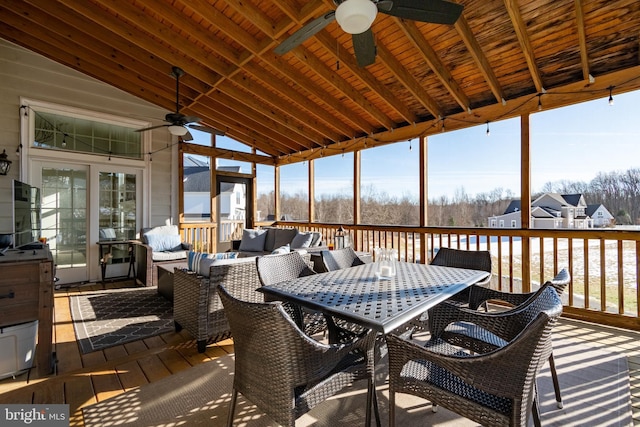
pixel 109 155
pixel 443 128
pixel 410 147
pixel 488 131
pixel 150 158
pixel 610 95
pixel 64 140
pixel 19 149
pixel 539 102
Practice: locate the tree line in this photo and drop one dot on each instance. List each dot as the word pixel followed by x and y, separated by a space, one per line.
pixel 618 191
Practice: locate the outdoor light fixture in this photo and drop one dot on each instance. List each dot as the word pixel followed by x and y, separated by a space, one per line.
pixel 342 238
pixel 356 16
pixel 178 130
pixel 5 163
pixel 610 95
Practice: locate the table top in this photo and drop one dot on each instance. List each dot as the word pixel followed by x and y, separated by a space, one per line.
pixel 356 293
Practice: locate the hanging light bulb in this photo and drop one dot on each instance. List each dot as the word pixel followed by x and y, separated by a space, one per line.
pixel 610 95
pixel 488 131
pixel 410 147
pixel 539 102
pixel 356 16
pixel 442 129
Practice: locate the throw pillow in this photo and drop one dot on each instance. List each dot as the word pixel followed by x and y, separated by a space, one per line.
pixel 226 255
pixel 194 259
pixel 252 240
pixel 163 242
pixel 302 240
pixel 281 250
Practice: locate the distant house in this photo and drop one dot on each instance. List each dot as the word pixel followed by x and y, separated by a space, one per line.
pixel 197 183
pixel 600 215
pixel 554 210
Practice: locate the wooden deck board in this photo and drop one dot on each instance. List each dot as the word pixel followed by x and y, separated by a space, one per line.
pixel 81 380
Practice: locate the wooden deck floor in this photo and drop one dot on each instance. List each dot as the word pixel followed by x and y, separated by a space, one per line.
pixel 83 379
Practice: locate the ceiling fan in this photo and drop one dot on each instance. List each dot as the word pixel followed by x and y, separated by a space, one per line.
pixel 356 16
pixel 177 123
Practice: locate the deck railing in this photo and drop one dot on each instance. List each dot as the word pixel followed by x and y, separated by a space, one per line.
pixel 604 263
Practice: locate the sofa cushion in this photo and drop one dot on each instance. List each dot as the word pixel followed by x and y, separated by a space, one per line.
pixel 302 240
pixel 277 237
pixel 161 229
pixel 168 256
pixel 253 240
pixel 164 242
pixel 317 239
pixel 281 250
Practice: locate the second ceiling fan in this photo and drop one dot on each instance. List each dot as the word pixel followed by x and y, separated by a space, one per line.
pixel 356 16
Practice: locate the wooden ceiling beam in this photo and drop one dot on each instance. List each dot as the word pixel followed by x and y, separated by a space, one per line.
pixel 255 96
pixel 525 43
pixel 347 60
pixel 141 39
pixel 408 80
pixel 462 26
pixel 202 150
pixel 331 77
pixel 430 56
pixel 582 40
pixel 299 100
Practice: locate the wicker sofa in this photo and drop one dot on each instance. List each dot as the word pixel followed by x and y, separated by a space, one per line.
pixel 196 305
pixel 256 242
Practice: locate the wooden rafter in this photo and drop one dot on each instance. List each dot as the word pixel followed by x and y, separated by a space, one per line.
pixel 582 40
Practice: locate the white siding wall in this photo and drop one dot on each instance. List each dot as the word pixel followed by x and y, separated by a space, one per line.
pixel 26 74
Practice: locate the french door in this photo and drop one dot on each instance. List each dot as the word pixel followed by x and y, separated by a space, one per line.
pixel 81 202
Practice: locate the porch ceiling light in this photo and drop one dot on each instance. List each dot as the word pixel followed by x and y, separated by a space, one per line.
pixel 5 163
pixel 178 130
pixel 356 16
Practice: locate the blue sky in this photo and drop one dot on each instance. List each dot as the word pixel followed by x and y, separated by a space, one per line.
pixel 573 143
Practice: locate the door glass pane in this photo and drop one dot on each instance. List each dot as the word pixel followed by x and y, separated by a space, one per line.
pixel 232 212
pixel 117 217
pixel 64 215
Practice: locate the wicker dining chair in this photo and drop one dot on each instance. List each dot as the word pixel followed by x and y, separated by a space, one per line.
pixel 282 370
pixel 338 259
pixel 279 268
pixel 493 388
pixel 479 297
pixel 460 258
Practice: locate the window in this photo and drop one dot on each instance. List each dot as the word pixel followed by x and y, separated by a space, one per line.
pixel 61 132
pixel 502 223
pixel 513 223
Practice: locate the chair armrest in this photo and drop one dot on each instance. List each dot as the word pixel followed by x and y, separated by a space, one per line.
pixel 479 295
pixel 186 246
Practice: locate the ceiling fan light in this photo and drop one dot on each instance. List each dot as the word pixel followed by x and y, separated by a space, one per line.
pixel 178 130
pixel 356 16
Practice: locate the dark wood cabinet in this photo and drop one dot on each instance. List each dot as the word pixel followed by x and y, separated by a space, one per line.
pixel 26 294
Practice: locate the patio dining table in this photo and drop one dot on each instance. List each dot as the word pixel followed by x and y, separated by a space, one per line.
pixel 358 295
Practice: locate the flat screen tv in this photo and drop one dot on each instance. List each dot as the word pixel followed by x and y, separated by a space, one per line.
pixel 26 213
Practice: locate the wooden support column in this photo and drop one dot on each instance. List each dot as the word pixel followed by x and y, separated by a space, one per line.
pixel 424 194
pixel 525 198
pixel 357 158
pixel 276 195
pixel 312 191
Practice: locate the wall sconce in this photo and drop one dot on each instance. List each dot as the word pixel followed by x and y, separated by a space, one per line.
pixel 342 238
pixel 5 163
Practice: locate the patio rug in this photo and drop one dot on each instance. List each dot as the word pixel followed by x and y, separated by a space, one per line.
pixel 595 388
pixel 106 318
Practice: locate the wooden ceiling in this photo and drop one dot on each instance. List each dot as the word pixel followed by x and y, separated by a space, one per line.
pixel 500 59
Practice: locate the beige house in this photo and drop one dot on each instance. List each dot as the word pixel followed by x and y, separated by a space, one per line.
pixel 554 210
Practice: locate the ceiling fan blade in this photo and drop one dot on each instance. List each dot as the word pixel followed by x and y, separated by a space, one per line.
pixel 187 136
pixel 364 46
pixel 433 11
pixel 191 119
pixel 305 32
pixel 206 129
pixel 149 128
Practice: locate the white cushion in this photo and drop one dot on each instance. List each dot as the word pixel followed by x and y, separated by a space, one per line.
pixel 281 250
pixel 164 242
